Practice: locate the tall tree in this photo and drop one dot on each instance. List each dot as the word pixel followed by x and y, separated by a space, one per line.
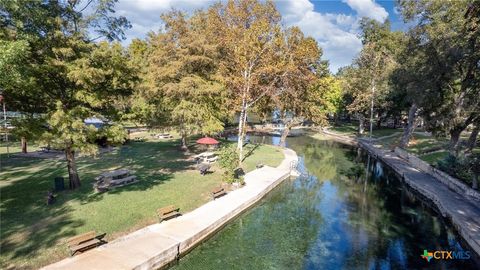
pixel 70 77
pixel 366 79
pixel 301 93
pixel 448 35
pixel 408 83
pixel 183 70
pixel 248 32
pixel 28 127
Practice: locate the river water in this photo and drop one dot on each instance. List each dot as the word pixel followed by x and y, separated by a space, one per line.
pixel 338 214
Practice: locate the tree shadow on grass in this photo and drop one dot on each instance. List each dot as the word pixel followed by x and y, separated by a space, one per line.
pixel 29 225
pixel 251 151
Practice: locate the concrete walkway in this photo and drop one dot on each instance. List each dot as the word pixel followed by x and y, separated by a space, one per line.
pixel 463 213
pixel 159 244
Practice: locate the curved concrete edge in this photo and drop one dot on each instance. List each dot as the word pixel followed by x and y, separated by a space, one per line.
pixel 158 245
pixel 446 213
pixel 453 206
pixel 339 138
pixel 466 225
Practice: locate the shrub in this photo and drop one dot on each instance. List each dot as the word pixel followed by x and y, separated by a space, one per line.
pixel 458 167
pixel 228 160
pixel 474 166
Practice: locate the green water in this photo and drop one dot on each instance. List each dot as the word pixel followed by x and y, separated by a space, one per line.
pixel 335 216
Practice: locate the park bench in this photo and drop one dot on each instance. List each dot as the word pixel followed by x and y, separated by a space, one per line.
pixel 164 136
pixel 48 149
pixel 84 242
pixel 139 139
pixel 168 212
pixel 218 192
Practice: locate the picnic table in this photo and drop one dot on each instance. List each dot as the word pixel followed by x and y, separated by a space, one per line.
pixel 162 136
pixel 112 179
pixel 208 157
pixel 48 149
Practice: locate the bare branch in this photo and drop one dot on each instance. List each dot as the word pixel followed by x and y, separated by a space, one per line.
pixel 86 6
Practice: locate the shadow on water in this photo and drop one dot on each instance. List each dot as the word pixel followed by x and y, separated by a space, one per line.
pixel 339 214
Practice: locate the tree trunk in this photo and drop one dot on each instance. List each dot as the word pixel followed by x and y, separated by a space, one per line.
pixel 24 145
pixel 454 139
pixel 359 154
pixel 475 181
pixel 472 140
pixel 361 125
pixel 408 130
pixel 241 131
pixel 184 142
pixel 336 119
pixel 285 132
pixel 72 168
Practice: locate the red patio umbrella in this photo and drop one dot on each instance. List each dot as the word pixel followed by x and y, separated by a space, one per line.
pixel 207 140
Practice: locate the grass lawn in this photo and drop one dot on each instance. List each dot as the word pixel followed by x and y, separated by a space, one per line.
pixel 434 157
pixel 33 234
pixel 345 129
pixel 14 147
pixel 351 129
pixel 422 144
pixel 385 132
pixel 265 154
pixel 419 144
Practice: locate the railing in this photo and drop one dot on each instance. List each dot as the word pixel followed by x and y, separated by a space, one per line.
pixel 293 165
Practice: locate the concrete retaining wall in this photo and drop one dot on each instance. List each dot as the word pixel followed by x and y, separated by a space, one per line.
pixel 443 196
pixel 452 182
pixel 159 245
pixel 188 244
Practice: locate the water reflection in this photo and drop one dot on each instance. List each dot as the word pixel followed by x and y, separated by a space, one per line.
pixel 337 215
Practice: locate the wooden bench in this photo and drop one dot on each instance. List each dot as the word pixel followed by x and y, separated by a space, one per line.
pixel 168 212
pixel 218 192
pixel 84 242
pixel 123 181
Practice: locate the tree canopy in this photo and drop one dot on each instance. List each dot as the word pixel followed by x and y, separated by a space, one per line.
pixel 55 69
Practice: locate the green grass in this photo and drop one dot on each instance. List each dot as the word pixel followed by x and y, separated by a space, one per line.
pixel 384 132
pixel 433 158
pixel 421 144
pixel 265 154
pixel 351 129
pixel 390 142
pixel 14 147
pixel 33 234
pixel 345 129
